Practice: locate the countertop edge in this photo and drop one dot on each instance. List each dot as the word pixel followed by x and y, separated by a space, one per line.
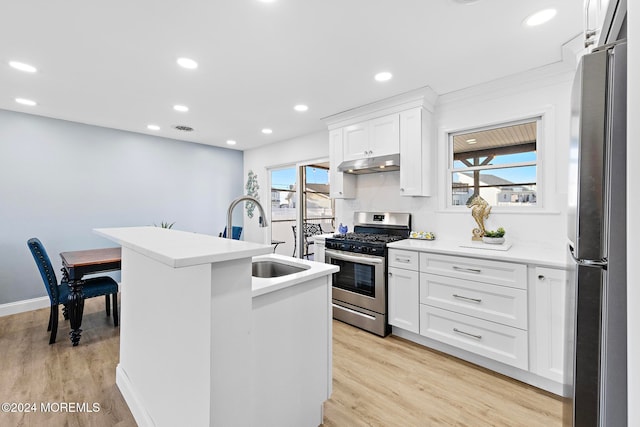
pixel 518 253
pixel 252 249
pixel 263 286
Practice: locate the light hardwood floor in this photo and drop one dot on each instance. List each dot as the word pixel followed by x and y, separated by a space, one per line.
pixel 394 382
pixel 377 382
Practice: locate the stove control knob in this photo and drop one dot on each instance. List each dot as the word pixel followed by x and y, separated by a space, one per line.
pixel 366 250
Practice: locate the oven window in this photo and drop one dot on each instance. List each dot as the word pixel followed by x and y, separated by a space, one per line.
pixel 358 278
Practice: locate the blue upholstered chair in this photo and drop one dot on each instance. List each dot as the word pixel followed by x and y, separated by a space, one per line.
pixel 236 232
pixel 59 293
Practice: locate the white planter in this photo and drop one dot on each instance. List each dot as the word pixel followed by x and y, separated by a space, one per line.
pixel 493 240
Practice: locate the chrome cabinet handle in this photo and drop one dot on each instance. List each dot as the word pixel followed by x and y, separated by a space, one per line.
pixel 405 260
pixel 467 298
pixel 479 337
pixel 541 277
pixel 467 270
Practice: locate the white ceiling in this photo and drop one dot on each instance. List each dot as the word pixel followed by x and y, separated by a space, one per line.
pixel 113 63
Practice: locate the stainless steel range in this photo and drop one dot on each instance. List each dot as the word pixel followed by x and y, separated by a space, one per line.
pixel 360 287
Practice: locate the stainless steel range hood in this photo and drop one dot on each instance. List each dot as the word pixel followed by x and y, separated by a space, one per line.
pixel 387 163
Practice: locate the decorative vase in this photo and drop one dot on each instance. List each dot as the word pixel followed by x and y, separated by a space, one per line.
pixel 493 240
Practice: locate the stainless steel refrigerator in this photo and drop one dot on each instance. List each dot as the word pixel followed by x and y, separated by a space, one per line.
pixel 597 240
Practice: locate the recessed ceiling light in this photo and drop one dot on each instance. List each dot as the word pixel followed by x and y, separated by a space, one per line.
pixel 153 127
pixel 23 67
pixel 383 76
pixel 267 1
pixel 267 131
pixel 187 63
pixel 539 18
pixel 231 142
pixel 24 101
pixel 471 141
pixel 181 108
pixel 301 107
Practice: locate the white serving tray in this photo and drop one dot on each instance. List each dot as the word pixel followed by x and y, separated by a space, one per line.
pixel 482 245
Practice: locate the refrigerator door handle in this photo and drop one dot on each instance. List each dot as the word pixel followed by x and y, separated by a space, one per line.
pixel 600 263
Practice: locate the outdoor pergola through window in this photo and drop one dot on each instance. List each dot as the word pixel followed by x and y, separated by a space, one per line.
pixel 499 163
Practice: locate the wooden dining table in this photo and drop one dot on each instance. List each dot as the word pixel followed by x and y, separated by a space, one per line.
pixel 77 264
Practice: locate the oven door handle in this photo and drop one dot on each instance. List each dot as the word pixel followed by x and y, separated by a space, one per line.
pixel 354 258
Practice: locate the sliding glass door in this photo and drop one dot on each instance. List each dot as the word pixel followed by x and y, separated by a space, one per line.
pixel 310 209
pixel 284 216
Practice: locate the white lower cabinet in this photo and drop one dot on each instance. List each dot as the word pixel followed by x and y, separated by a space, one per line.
pixel 498 304
pixel 493 340
pixel 403 296
pixel 549 317
pixel 511 314
pixel 477 305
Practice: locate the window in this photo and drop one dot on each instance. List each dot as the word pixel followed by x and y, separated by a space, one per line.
pixel 498 163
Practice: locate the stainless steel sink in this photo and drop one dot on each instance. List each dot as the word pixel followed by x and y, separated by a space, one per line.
pixel 271 268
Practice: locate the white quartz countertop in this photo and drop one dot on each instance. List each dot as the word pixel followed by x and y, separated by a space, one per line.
pixel 549 255
pixel 322 237
pixel 261 286
pixel 181 248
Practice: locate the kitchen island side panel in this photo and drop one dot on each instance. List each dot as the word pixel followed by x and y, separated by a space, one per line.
pixel 172 365
pixel 292 335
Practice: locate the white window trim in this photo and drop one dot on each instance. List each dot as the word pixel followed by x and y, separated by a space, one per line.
pixel 545 125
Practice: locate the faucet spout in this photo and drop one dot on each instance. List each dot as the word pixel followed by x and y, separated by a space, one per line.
pixel 262 220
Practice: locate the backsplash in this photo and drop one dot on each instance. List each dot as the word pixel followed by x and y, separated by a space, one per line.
pixel 380 192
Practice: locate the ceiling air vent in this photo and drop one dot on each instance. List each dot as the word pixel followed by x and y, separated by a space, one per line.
pixel 184 128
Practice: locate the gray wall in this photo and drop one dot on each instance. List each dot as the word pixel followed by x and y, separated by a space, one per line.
pixel 60 179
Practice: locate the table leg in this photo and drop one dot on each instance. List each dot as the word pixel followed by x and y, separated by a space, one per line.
pixel 75 306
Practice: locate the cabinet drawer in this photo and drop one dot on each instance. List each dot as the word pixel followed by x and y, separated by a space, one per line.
pixel 494 272
pixel 498 342
pixel 408 260
pixel 499 304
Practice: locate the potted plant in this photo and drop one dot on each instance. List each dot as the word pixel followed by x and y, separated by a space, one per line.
pixel 164 225
pixel 494 237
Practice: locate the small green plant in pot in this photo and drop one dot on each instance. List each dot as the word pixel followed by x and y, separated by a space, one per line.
pixel 164 225
pixel 494 237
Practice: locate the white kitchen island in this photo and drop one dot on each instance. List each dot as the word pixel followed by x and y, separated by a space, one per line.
pixel 202 343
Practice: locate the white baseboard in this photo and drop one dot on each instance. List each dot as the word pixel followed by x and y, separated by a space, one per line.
pixel 140 414
pixel 24 306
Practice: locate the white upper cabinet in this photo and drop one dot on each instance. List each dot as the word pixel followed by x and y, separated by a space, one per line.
pixel 595 14
pixel 397 125
pixel 415 153
pixel 385 135
pixel 377 137
pixel 342 186
pixel 356 141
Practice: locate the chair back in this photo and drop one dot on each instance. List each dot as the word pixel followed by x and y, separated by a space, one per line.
pixel 236 232
pixel 311 229
pixel 46 269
